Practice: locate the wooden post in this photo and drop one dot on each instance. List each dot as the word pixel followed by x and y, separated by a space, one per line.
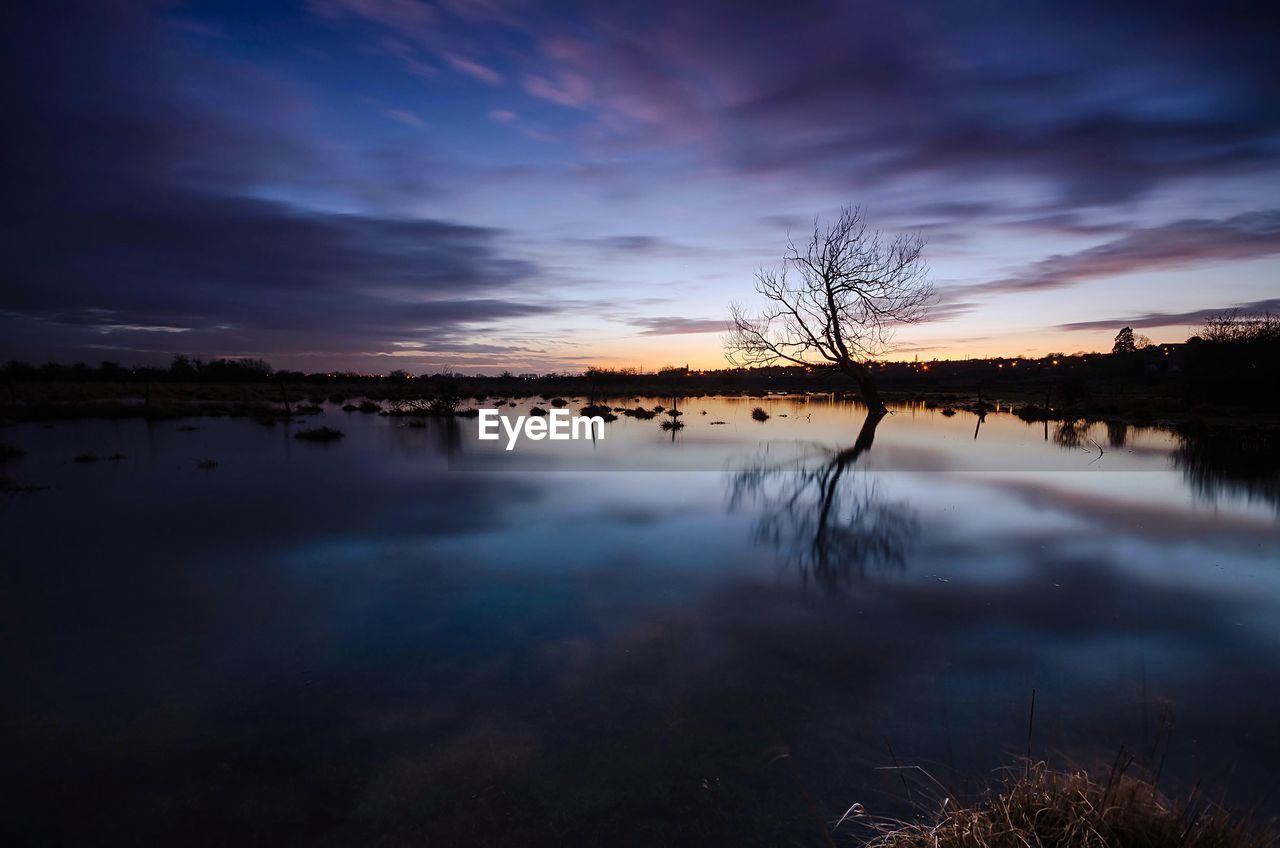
pixel 288 410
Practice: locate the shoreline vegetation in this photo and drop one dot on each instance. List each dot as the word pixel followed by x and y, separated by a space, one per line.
pixel 1036 805
pixel 1073 391
pixel 1224 375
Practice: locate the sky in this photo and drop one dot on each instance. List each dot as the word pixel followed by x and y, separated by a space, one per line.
pixel 482 185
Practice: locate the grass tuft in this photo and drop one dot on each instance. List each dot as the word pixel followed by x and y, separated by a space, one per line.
pixel 759 414
pixel 320 434
pixel 1043 808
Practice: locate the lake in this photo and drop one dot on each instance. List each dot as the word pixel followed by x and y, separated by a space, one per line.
pixel 725 634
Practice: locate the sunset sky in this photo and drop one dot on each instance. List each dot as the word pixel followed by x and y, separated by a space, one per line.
pixel 482 185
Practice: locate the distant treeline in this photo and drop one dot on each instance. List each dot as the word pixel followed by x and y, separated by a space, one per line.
pixel 1233 361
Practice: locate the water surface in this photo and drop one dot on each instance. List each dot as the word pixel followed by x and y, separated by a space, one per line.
pixel 725 635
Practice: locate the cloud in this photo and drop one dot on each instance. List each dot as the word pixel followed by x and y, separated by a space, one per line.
pixel 568 89
pixel 639 245
pixel 1195 317
pixel 945 310
pixel 404 116
pixel 670 326
pixel 142 210
pixel 1181 244
pixel 502 116
pixel 866 94
pixel 473 69
pixel 409 18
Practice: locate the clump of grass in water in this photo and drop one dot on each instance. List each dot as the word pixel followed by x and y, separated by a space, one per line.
pixel 1031 412
pixel 537 410
pixel 640 412
pixel 320 434
pixel 1039 806
pixel 759 414
pixel 673 424
pixel 85 458
pixel 948 412
pixel 8 453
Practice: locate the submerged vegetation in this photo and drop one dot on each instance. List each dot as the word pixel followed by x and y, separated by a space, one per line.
pixel 1038 807
pixel 8 453
pixel 320 434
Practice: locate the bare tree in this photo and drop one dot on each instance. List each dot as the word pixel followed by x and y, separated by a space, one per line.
pixel 835 304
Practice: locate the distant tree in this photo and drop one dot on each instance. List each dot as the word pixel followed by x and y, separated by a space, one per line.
pixel 1235 358
pixel 835 304
pixel 1141 342
pixel 184 368
pixel 1124 341
pixel 1233 328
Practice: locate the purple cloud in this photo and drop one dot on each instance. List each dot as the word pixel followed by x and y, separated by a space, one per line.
pixel 1181 244
pixel 671 326
pixel 1192 318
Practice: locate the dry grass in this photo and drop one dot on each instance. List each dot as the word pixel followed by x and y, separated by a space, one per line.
pixel 1042 808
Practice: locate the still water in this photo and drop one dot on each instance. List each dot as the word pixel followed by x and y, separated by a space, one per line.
pixel 723 635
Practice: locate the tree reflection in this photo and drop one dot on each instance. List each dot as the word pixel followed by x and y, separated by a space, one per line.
pixel 1117 434
pixel 831 525
pixel 1070 433
pixel 1229 462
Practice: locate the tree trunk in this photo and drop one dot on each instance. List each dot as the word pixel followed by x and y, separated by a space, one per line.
pixel 867 386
